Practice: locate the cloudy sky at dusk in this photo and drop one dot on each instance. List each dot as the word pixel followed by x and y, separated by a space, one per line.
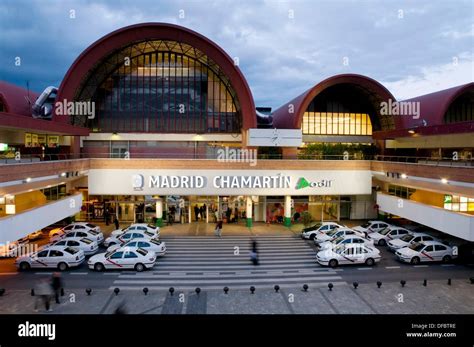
pixel 284 48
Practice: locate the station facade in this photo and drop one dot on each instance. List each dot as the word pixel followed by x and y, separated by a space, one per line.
pixel 155 122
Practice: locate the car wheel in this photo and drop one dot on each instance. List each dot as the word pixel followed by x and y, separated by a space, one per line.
pixel 369 262
pixel 62 266
pixel 382 242
pixel 24 266
pixel 446 259
pixel 333 263
pixel 139 267
pixel 99 267
pixel 312 236
pixel 415 261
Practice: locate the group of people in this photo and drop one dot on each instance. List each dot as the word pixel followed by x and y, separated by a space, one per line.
pixel 45 289
pixel 200 212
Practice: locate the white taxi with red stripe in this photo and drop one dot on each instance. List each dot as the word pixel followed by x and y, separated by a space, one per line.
pixel 58 257
pixel 382 237
pixel 121 259
pixel 427 251
pixel 349 254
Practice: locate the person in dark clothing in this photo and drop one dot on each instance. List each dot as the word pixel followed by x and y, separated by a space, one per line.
pixel 296 216
pixel 236 215
pixel 196 212
pixel 117 224
pixel 218 229
pixel 228 213
pixel 254 252
pixel 107 216
pixel 56 284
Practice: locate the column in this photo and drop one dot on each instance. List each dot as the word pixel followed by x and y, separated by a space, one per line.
pixel 159 213
pixel 248 212
pixel 189 212
pixel 287 217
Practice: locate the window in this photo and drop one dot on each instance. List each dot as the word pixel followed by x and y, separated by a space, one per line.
pixel 167 87
pixel 440 248
pixel 333 123
pixel 402 232
pixel 42 254
pixel 69 227
pixel 60 243
pixel 458 203
pixel 416 239
pixel 117 255
pixel 55 253
pixel 143 244
pixel 428 249
pixel 81 234
pixel 130 255
pixel 73 243
pixel 427 238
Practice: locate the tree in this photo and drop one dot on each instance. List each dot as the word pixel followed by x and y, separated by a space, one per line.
pixel 306 218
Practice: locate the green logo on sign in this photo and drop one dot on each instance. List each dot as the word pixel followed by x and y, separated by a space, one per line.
pixel 303 183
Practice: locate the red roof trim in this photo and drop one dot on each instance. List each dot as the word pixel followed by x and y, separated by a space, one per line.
pixel 10 120
pixel 283 119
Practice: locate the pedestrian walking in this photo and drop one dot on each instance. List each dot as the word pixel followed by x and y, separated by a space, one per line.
pixel 107 216
pixel 56 284
pixel 196 212
pixel 117 224
pixel 43 292
pixel 254 252
pixel 218 229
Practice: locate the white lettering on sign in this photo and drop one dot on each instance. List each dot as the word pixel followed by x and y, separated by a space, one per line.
pixel 233 182
pixel 268 182
pixel 176 182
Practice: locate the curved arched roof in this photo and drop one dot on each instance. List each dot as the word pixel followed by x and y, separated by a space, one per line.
pixel 433 107
pixel 159 31
pixel 15 99
pixel 282 118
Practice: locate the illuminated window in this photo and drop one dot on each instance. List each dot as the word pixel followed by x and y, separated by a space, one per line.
pixel 329 123
pixel 165 87
pixel 458 203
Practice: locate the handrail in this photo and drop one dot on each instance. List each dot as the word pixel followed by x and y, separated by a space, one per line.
pixel 437 161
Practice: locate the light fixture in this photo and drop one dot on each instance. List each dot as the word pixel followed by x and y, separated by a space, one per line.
pixel 444 181
pixel 63 174
pixel 411 131
pixel 27 180
pixel 404 176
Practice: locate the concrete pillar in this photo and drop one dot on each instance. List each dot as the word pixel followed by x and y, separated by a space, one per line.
pixel 287 217
pixel 159 213
pixel 75 149
pixel 248 213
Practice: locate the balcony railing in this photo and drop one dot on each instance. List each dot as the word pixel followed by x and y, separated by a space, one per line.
pixel 437 161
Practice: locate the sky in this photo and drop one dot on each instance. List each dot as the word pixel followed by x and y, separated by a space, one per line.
pixel 283 47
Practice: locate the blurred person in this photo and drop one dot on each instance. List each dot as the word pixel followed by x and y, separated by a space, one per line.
pixel 43 293
pixel 117 224
pixel 56 284
pixel 218 229
pixel 254 252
